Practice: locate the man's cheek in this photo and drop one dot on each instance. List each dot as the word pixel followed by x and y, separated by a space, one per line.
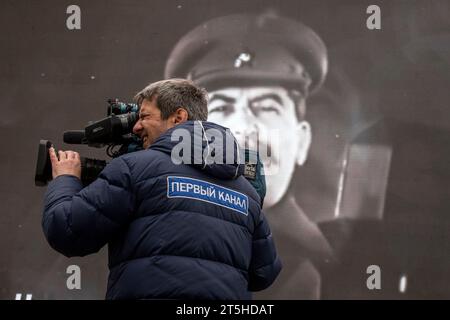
pixel 270 158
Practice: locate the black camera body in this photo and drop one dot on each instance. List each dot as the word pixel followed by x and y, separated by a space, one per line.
pixel 113 131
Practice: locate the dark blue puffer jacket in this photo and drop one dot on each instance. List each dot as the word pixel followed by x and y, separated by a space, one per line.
pixel 173 231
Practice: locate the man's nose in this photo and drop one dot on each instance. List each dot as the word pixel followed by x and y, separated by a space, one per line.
pixel 137 127
pixel 245 123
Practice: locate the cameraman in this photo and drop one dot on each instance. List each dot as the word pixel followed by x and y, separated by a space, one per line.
pixel 165 240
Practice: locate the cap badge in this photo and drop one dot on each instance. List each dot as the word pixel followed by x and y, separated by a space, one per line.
pixel 243 59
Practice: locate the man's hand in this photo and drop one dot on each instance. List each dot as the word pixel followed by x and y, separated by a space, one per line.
pixel 68 163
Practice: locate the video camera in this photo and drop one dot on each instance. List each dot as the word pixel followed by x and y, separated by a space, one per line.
pixel 114 131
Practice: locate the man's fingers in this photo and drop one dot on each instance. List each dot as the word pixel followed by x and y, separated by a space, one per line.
pixel 70 154
pixel 53 157
pixel 68 163
pixel 62 155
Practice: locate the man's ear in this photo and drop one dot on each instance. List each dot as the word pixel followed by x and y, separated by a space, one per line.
pixel 180 116
pixel 304 133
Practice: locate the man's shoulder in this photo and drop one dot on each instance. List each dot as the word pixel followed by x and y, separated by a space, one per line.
pixel 138 161
pixel 147 154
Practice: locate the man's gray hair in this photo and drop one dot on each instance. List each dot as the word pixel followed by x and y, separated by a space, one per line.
pixel 172 94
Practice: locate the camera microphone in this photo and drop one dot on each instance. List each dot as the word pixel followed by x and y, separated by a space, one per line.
pixel 75 137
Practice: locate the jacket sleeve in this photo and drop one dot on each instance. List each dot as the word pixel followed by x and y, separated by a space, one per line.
pixel 265 264
pixel 78 221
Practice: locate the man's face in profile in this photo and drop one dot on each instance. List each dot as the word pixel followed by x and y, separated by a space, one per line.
pixel 267 118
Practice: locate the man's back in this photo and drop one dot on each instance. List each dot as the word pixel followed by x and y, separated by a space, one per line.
pixel 174 231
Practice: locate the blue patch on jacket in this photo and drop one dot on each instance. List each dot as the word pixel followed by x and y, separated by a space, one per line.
pixel 182 187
